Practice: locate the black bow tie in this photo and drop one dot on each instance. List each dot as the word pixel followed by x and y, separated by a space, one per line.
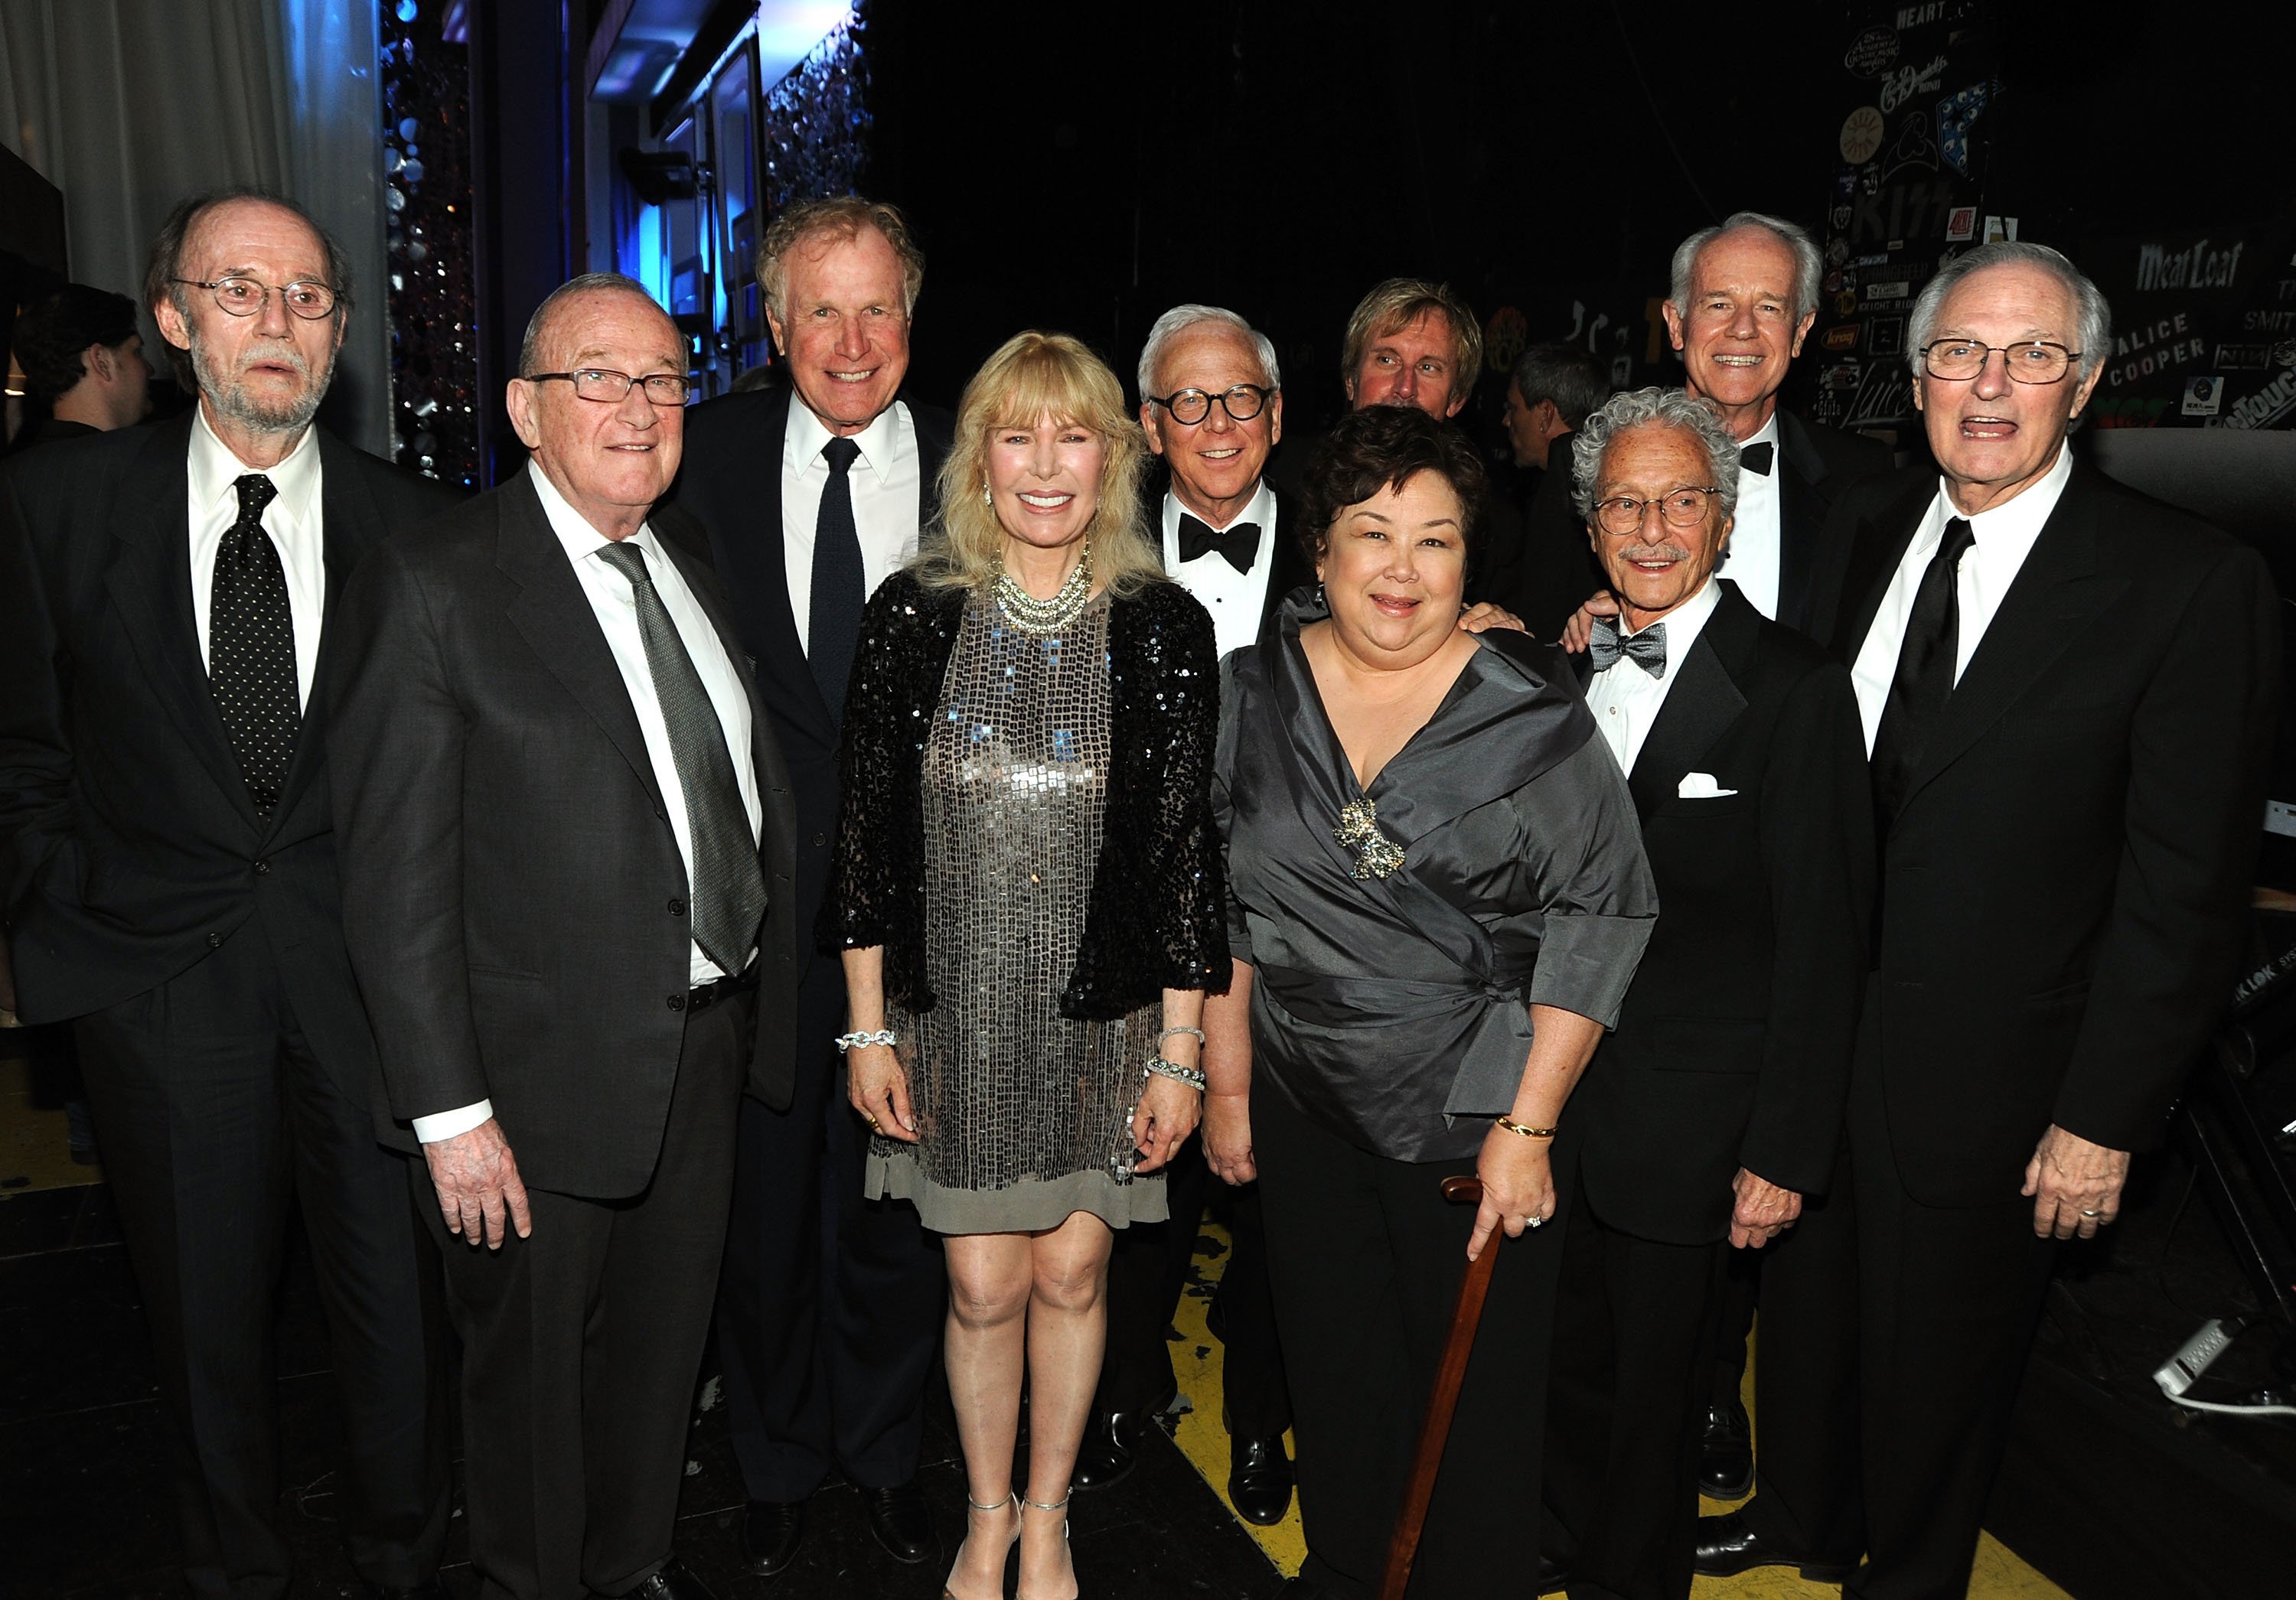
pixel 1240 545
pixel 1646 649
pixel 1756 458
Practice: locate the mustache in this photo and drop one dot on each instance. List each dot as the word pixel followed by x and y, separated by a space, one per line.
pixel 282 354
pixel 1658 552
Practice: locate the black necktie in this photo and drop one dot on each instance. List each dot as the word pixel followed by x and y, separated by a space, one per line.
pixel 1239 546
pixel 1646 649
pixel 833 628
pixel 728 887
pixel 251 647
pixel 1756 458
pixel 1924 676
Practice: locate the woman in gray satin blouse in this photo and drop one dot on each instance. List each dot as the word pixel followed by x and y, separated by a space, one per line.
pixel 1438 898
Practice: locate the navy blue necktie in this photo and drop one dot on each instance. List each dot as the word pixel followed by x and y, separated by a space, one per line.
pixel 839 590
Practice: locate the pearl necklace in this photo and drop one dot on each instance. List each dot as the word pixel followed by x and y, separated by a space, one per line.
pixel 1037 618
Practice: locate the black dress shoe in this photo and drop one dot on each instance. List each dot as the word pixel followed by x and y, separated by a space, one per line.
pixel 771 1532
pixel 1725 1455
pixel 1258 1479
pixel 1727 1547
pixel 672 1582
pixel 1554 1577
pixel 899 1517
pixel 1106 1455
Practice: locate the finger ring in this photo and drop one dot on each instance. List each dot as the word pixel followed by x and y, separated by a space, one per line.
pixel 2092 1214
pixel 871 1119
pixel 1534 1221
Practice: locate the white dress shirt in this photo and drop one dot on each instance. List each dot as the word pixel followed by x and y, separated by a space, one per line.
pixel 1236 600
pixel 1626 700
pixel 292 519
pixel 615 605
pixel 2004 538
pixel 1754 557
pixel 887 480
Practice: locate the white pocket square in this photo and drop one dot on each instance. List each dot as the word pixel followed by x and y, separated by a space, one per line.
pixel 1700 785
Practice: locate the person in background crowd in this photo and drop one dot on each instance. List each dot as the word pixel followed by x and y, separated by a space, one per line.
pixel 168 596
pixel 1551 391
pixel 1438 897
pixel 83 358
pixel 810 494
pixel 1713 1110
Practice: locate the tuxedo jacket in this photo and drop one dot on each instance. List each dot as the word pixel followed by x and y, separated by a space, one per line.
pixel 1554 568
pixel 129 846
pixel 514 896
pixel 730 484
pixel 1280 546
pixel 1733 1048
pixel 2064 885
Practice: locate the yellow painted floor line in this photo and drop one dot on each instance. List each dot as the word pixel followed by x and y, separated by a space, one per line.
pixel 2000 1575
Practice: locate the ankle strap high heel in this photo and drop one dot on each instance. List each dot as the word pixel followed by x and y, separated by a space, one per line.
pixel 1060 1504
pixel 997 1506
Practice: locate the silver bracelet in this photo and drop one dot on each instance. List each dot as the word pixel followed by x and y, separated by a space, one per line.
pixel 1169 1032
pixel 854 1041
pixel 1193 1077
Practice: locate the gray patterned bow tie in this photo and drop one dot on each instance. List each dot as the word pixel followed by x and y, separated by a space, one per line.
pixel 1646 649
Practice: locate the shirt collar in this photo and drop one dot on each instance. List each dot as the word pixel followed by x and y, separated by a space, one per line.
pixel 802 441
pixel 215 473
pixel 581 541
pixel 1767 434
pixel 2018 519
pixel 1260 509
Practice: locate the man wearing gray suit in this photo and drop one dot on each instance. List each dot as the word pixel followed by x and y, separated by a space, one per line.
pixel 568 844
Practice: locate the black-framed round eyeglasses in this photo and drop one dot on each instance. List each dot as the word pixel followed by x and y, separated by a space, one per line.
pixel 1190 406
pixel 1684 507
pixel 307 298
pixel 610 387
pixel 2032 361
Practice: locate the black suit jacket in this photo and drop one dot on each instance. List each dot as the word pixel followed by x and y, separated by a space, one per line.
pixel 127 841
pixel 2064 885
pixel 1289 566
pixel 730 483
pixel 1554 568
pixel 513 892
pixel 1733 1048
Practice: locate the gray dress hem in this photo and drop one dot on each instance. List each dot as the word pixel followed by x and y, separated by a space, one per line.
pixel 1031 1205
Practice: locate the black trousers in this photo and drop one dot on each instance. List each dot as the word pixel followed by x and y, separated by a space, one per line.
pixel 830 1306
pixel 213 1111
pixel 581 1345
pixel 1626 1398
pixel 1148 1271
pixel 1364 1258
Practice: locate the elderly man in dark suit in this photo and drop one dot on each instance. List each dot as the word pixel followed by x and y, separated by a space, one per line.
pixel 169 608
pixel 2068 694
pixel 567 854
pixel 808 495
pixel 1713 1109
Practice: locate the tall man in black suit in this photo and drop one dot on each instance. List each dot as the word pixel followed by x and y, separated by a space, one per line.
pixel 169 606
pixel 809 495
pixel 2068 694
pixel 1714 1109
pixel 567 860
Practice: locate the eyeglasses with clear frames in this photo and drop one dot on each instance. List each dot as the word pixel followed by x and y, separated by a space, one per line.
pixel 2032 361
pixel 1189 406
pixel 610 387
pixel 1684 507
pixel 307 298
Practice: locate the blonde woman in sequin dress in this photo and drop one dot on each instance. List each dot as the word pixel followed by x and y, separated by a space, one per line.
pixel 1028 893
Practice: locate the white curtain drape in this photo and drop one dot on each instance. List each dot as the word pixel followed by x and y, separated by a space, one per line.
pixel 129 105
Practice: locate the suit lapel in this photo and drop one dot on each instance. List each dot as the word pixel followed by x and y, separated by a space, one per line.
pixel 350 524
pixel 1287 567
pixel 1700 708
pixel 764 562
pixel 1801 515
pixel 1878 547
pixel 150 579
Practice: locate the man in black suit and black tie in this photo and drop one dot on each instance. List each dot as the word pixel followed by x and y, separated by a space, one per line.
pixel 168 607
pixel 1713 1109
pixel 567 854
pixel 808 495
pixel 2068 694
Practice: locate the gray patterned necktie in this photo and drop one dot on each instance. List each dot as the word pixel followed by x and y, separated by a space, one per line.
pixel 729 886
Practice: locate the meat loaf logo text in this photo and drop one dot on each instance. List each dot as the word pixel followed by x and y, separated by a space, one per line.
pixel 2195 267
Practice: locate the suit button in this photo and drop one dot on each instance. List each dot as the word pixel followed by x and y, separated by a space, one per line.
pixel 677 1002
pixel 677 907
pixel 215 941
pixel 819 839
pixel 262 867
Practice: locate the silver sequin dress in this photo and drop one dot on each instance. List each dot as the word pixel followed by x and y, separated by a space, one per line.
pixel 1023 1114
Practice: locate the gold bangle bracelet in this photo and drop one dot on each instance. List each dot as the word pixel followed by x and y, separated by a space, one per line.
pixel 1512 1126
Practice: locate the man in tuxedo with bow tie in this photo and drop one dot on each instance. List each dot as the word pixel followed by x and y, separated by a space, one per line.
pixel 169 601
pixel 1711 1112
pixel 810 493
pixel 2068 694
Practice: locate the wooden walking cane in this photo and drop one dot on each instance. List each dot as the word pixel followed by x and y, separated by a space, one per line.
pixel 1403 1548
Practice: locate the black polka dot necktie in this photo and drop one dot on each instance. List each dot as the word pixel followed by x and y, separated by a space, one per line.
pixel 251 647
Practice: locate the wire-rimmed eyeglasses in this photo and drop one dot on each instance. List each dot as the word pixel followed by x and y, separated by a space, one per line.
pixel 307 298
pixel 1684 507
pixel 610 388
pixel 1189 406
pixel 2027 361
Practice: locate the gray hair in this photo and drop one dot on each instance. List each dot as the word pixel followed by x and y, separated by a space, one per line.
pixel 1648 409
pixel 1808 263
pixel 530 349
pixel 1179 319
pixel 1570 377
pixel 2096 316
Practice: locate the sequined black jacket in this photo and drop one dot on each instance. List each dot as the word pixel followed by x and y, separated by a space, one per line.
pixel 1157 918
